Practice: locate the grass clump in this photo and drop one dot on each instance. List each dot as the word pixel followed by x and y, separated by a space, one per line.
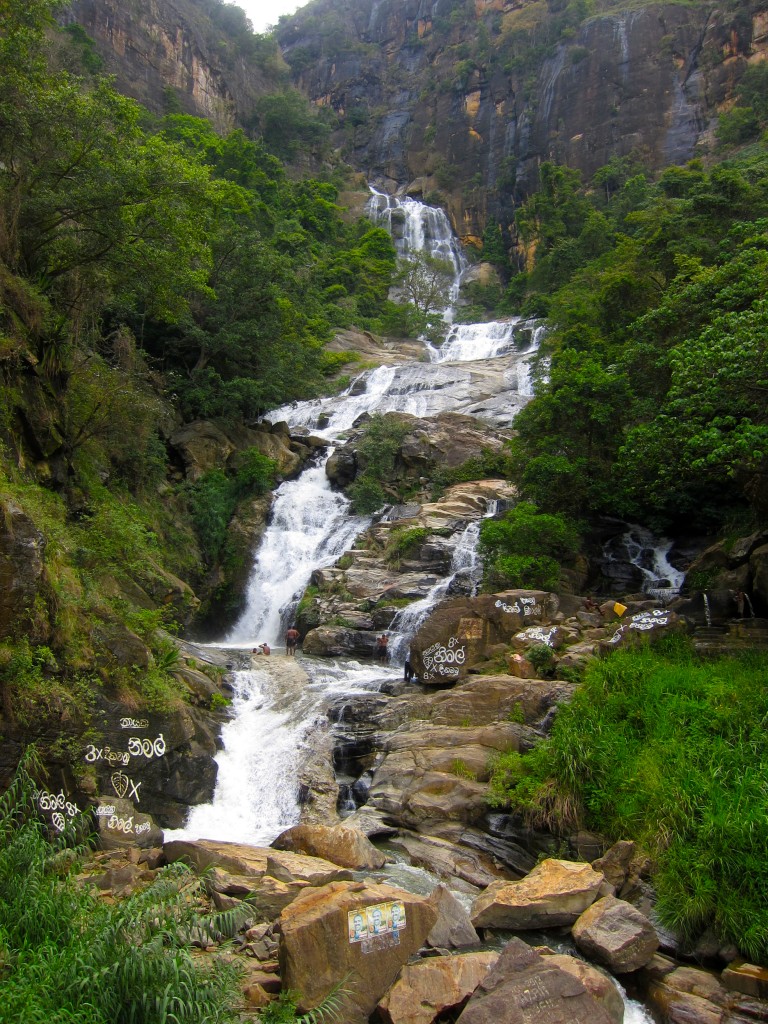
pixel 67 957
pixel 403 542
pixel 670 751
pixel 377 451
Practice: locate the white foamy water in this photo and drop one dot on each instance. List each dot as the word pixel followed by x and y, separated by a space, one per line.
pixel 310 527
pixel 277 716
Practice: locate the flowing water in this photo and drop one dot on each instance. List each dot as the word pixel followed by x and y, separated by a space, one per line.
pixel 278 716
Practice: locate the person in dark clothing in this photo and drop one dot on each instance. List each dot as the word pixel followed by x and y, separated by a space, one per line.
pixel 382 647
pixel 408 672
pixel 291 639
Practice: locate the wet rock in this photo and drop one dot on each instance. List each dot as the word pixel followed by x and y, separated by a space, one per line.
pixel 339 844
pixel 615 862
pixel 322 942
pixel 555 893
pixel 425 991
pixel 644 626
pixel 460 632
pixel 453 928
pixel 751 979
pixel 253 862
pixel 616 934
pixel 449 861
pixel 524 986
pixel 119 824
pixel 338 641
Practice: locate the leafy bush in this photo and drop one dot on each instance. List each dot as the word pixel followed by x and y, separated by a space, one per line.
pixel 404 541
pixel 524 547
pixel 672 752
pixel 376 450
pixel 67 956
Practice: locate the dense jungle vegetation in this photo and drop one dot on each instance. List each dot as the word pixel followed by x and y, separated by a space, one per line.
pixel 153 272
pixel 657 365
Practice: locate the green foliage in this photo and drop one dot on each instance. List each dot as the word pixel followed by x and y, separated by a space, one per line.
pixel 404 541
pixel 542 658
pixel 214 497
pixel 647 287
pixel 673 752
pixel 69 956
pixel 524 547
pixel 284 1009
pixel 376 451
pixel 461 769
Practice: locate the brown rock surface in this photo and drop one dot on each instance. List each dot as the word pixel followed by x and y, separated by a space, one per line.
pixel 616 934
pixel 453 928
pixel 316 952
pixel 526 988
pixel 554 893
pixel 599 985
pixel 425 990
pixel 338 844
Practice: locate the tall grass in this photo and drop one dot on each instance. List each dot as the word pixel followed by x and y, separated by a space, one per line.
pixel 68 957
pixel 673 752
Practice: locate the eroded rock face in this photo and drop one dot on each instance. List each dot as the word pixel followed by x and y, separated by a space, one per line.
pixel 338 844
pixel 596 982
pixel 22 553
pixel 206 445
pixel 555 892
pixel 616 934
pixel 335 932
pixel 459 633
pixel 527 987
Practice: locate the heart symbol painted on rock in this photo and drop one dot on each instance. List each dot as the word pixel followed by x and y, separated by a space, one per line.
pixel 120 783
pixel 58 821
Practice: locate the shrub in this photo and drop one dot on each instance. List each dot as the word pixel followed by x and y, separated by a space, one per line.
pixel 63 947
pixel 524 547
pixel 672 752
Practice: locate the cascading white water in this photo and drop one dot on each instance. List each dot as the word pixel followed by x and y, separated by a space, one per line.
pixel 310 527
pixel 274 715
pixel 415 227
pixel 649 554
pixel 407 621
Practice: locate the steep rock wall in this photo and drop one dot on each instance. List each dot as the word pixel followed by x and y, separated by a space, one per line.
pixel 421 105
pixel 167 54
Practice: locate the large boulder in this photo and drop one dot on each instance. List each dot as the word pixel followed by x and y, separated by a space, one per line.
pixel 351 930
pixel 338 844
pixel 554 893
pixel 645 626
pixel 599 984
pixel 616 934
pixel 205 445
pixel 460 633
pixel 690 995
pixel 426 990
pixel 453 928
pixel 529 988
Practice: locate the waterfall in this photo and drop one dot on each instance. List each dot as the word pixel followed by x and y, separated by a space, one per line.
pixel 310 528
pixel 649 554
pixel 485 341
pixel 465 557
pixel 416 227
pixel 276 715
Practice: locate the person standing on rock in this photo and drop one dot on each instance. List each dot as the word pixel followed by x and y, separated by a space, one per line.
pixel 382 646
pixel 291 639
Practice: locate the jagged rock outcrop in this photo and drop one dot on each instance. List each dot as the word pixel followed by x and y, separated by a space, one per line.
pixel 554 893
pixel 524 986
pixel 616 934
pixel 22 562
pixel 426 990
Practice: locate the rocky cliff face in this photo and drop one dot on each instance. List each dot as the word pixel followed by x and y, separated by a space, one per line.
pixel 469 99
pixel 458 100
pixel 169 56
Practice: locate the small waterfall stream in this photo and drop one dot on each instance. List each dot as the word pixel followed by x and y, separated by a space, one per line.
pixel 275 714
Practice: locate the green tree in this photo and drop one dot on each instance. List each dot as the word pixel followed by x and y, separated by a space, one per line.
pixel 525 547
